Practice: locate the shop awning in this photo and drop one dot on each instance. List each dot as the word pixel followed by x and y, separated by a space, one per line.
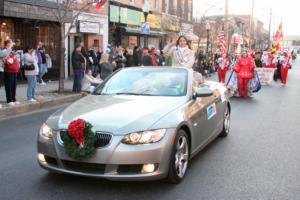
pixel 139 32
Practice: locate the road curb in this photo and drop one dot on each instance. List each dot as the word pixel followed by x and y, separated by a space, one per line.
pixel 42 104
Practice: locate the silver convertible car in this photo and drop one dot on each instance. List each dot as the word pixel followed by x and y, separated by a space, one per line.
pixel 149 123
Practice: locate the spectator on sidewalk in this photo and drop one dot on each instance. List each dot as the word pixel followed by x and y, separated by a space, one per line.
pixel 38 56
pixel 85 54
pixel 11 68
pixel 3 53
pixel 43 69
pixel 120 59
pixel 31 71
pixel 90 82
pixel 146 59
pixel 129 57
pixel 78 63
pixel 93 60
pixel 159 58
pixel 106 68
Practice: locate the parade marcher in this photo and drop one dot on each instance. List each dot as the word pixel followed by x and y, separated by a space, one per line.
pixel 270 61
pixel 222 68
pixel 11 68
pixel 285 65
pixel 245 70
pixel 31 71
pixel 78 63
pixel 258 60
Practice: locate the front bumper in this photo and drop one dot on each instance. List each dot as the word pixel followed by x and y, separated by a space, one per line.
pixel 117 161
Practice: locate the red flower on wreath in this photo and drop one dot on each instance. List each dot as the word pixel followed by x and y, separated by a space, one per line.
pixel 76 130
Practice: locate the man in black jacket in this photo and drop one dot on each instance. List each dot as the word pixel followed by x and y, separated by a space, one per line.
pixel 78 63
pixel 93 60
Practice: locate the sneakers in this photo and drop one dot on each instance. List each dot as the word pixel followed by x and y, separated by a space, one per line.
pixel 32 100
pixel 43 83
pixel 11 104
pixel 17 102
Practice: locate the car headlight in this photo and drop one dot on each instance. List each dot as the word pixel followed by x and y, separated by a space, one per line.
pixel 146 137
pixel 46 131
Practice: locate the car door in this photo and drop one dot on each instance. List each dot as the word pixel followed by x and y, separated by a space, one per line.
pixel 197 113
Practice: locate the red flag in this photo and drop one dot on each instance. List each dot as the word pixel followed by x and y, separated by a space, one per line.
pixel 99 4
pixel 278 37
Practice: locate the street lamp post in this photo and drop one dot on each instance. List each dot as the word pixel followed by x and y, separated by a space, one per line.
pixel 207 27
pixel 146 9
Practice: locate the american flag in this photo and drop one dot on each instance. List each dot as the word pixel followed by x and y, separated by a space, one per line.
pixel 222 41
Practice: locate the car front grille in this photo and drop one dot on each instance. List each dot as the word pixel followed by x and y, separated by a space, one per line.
pixel 102 138
pixel 84 167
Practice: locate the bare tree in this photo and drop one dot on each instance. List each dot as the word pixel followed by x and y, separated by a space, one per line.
pixel 68 11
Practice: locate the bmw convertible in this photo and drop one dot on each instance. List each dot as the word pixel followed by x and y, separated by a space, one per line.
pixel 148 124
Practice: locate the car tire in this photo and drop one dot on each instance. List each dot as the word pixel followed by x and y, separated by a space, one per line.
pixel 226 123
pixel 179 158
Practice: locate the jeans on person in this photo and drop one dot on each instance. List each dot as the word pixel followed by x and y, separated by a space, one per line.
pixel 10 82
pixel 42 70
pixel 77 82
pixel 31 84
pixel 94 69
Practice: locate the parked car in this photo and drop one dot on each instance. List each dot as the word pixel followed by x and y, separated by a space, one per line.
pixel 149 123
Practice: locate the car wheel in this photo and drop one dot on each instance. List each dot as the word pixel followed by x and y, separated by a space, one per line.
pixel 179 158
pixel 226 123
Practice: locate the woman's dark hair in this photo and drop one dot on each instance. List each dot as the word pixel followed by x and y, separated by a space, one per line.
pixel 77 45
pixel 187 42
pixel 6 42
pixel 28 48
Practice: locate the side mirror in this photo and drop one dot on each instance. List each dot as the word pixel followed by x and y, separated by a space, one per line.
pixel 203 92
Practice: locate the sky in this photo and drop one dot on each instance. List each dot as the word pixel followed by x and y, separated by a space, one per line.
pixel 286 11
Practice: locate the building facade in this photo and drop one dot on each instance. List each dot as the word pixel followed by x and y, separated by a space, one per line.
pixel 28 22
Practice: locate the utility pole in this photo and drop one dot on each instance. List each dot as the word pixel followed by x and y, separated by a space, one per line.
pixel 226 24
pixel 251 25
pixel 270 21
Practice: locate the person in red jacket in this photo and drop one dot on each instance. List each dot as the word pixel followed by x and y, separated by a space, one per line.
pixel 223 67
pixel 285 65
pixel 11 68
pixel 245 70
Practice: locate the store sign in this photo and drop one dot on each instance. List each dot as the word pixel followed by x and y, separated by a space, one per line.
pixel 114 13
pixel 145 28
pixel 170 23
pixel 88 27
pixel 153 20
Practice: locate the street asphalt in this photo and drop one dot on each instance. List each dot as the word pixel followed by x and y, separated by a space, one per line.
pixel 260 159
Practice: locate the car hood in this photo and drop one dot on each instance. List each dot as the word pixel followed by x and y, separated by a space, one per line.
pixel 118 114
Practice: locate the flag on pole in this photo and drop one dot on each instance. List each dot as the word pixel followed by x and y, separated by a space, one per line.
pixel 277 38
pixel 99 3
pixel 222 41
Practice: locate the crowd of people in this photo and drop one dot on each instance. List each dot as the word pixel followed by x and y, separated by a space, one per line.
pixel 92 66
pixel 33 63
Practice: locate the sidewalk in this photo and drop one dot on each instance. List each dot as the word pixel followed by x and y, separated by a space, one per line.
pixel 47 97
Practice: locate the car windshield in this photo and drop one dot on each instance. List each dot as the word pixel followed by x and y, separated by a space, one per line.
pixel 146 82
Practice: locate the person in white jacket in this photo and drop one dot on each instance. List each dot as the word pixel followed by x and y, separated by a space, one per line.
pixel 183 56
pixel 31 73
pixel 89 81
